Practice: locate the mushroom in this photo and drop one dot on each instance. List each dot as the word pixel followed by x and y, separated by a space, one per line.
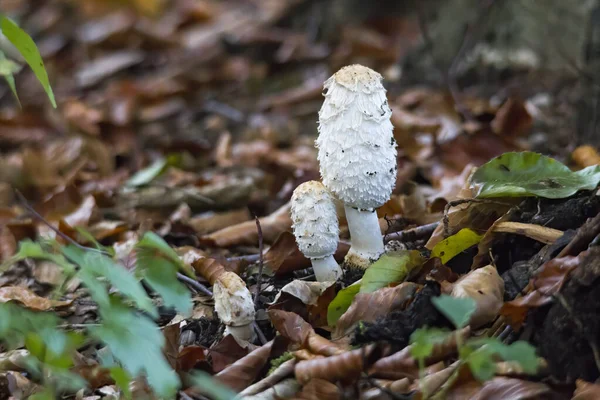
pixel 234 305
pixel 316 228
pixel 357 155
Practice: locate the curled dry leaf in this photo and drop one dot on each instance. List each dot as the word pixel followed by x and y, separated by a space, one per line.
pixel 536 232
pixel 246 234
pixel 285 369
pixel 370 306
pixel 512 119
pixel 244 371
pixel 499 388
pixel 402 364
pixel 293 327
pixel 29 299
pixel 209 268
pixel 346 366
pixel 586 391
pixel 486 287
pixel 548 281
pixel 431 383
pixel 281 390
pixel 319 389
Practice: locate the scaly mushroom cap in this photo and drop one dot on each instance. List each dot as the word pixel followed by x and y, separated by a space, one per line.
pixel 233 301
pixel 357 149
pixel 315 220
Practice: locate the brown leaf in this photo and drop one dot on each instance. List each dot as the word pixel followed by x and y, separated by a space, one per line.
pixel 586 391
pixel 370 306
pixel 225 353
pixel 95 375
pixel 244 371
pixel 190 356
pixel 103 67
pixel 211 221
pixel 171 347
pixel 512 119
pixel 209 268
pixel 499 388
pixel 246 233
pixel 486 287
pixel 284 256
pixel 29 299
pixel 547 281
pixel 319 389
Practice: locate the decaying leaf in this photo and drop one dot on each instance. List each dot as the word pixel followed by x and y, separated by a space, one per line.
pixel 499 388
pixel 586 391
pixel 244 371
pixel 29 299
pixel 319 389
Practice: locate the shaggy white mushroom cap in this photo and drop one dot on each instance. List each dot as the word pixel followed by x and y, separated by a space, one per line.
pixel 357 149
pixel 233 301
pixel 315 220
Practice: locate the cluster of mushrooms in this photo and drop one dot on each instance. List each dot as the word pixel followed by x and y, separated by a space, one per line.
pixel 357 160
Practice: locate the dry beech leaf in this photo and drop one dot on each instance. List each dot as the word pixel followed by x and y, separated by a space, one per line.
pixel 402 364
pixel 433 381
pixel 189 356
pixel 512 119
pixel 307 292
pixel 29 299
pixel 281 372
pixel 209 268
pixel 244 371
pixel 370 306
pixel 309 300
pixel 226 352
pixel 586 391
pixel 291 326
pixel 319 389
pixel 346 366
pixel 246 233
pixel 211 221
pixel 304 354
pixel 499 388
pixel 547 282
pixel 486 287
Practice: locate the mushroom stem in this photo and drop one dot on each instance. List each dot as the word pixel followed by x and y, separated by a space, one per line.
pixel 326 269
pixel 365 236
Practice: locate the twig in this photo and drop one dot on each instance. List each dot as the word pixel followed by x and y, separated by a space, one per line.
pixel 261 336
pixel 420 232
pixel 260 260
pixel 194 284
pixel 469 41
pixel 251 258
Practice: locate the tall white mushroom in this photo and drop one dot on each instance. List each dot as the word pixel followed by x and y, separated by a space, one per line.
pixel 357 155
pixel 316 228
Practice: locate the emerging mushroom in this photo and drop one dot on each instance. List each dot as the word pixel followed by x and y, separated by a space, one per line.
pixel 357 155
pixel 316 228
pixel 233 303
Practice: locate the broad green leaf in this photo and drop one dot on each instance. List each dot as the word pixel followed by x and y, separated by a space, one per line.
pixel 211 387
pixel 423 339
pixel 391 267
pixel 340 303
pixel 457 310
pixel 102 266
pixel 452 246
pixel 26 46
pixel 151 172
pixel 46 394
pixel 519 351
pixel 481 362
pixel 29 249
pixel 158 264
pixel 519 174
pixel 137 343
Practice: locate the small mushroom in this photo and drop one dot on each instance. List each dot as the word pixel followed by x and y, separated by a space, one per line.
pixel 357 155
pixel 234 305
pixel 316 228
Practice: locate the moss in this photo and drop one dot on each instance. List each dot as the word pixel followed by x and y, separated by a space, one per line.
pixel 276 362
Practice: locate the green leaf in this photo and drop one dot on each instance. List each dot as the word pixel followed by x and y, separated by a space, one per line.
pixel 457 310
pixel 7 69
pixel 26 46
pixel 340 303
pixel 46 394
pixel 211 387
pixel 519 174
pixel 453 245
pixel 137 343
pixel 151 172
pixel 423 340
pixel 158 264
pixel 481 362
pixel 122 379
pixel 519 351
pixel 391 267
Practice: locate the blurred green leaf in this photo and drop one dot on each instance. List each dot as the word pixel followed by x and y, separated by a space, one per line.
pixel 457 310
pixel 26 46
pixel 158 264
pixel 519 351
pixel 340 303
pixel 518 174
pixel 481 362
pixel 423 340
pixel 7 69
pixel 391 267
pixel 211 387
pixel 122 379
pixel 453 245
pixel 151 172
pixel 137 343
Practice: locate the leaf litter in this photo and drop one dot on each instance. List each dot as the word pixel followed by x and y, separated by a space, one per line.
pixel 176 124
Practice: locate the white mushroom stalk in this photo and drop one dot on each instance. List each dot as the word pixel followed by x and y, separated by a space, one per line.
pixel 357 155
pixel 234 305
pixel 316 228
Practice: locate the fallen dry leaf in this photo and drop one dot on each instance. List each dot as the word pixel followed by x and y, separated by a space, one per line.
pixel 319 389
pixel 244 371
pixel 29 299
pixel 499 388
pixel 586 391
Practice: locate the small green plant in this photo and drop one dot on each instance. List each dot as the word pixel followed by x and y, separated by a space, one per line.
pixel 480 355
pixel 125 325
pixel 30 53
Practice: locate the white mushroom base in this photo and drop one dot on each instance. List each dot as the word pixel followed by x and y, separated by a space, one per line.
pixel 326 269
pixel 366 239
